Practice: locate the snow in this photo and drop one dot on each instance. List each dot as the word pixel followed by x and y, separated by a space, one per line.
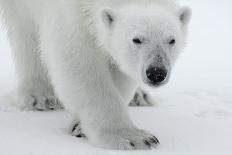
pixel 192 115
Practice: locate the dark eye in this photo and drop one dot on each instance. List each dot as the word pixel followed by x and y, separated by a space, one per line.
pixel 137 41
pixel 172 42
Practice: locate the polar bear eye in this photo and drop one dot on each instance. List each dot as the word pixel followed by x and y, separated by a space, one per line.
pixel 172 42
pixel 137 41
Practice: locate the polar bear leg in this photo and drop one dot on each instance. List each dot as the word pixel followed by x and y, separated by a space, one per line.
pixel 83 82
pixel 34 91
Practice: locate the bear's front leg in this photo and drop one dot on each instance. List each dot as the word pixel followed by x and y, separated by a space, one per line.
pixel 103 115
pixel 83 83
pixel 90 95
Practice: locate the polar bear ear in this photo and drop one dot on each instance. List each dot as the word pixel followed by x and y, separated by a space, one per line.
pixel 185 15
pixel 108 16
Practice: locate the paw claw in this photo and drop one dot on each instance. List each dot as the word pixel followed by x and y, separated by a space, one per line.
pixel 74 127
pixel 132 144
pixel 154 140
pixel 75 130
pixel 146 142
pixel 81 136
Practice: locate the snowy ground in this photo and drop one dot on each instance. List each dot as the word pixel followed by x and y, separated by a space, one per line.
pixel 193 114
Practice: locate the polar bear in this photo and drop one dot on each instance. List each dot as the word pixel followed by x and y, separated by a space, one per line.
pixel 92 55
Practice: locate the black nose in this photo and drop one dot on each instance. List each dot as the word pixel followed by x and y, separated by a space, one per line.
pixel 156 75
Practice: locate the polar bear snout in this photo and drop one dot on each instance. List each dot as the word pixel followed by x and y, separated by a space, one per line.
pixel 156 75
pixel 156 69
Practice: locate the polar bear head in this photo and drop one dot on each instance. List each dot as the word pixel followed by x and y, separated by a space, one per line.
pixel 144 41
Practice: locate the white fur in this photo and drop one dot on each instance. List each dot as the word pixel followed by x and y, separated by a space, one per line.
pixel 69 48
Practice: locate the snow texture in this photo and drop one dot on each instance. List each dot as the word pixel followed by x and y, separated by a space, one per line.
pixel 192 115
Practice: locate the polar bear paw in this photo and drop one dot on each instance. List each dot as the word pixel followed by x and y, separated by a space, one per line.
pixel 133 139
pixel 141 99
pixel 39 103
